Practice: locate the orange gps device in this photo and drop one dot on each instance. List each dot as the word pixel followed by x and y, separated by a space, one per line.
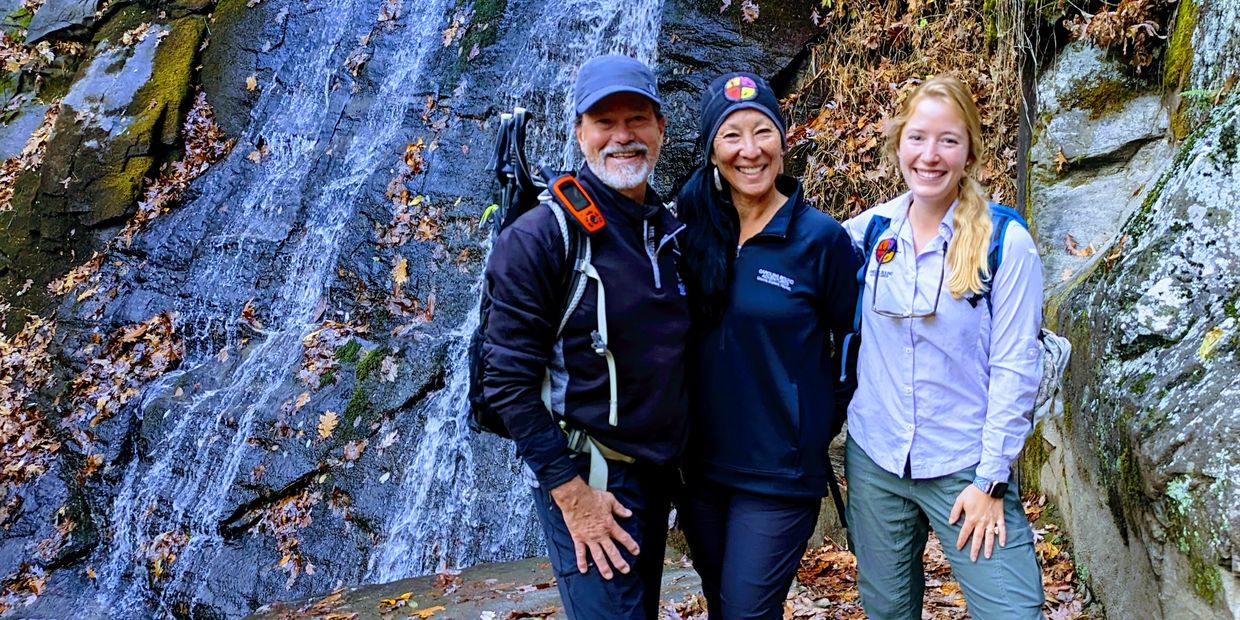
pixel 571 193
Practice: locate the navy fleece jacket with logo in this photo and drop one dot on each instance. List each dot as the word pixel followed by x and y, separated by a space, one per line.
pixel 647 320
pixel 766 391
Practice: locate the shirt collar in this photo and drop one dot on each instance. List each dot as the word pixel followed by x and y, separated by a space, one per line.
pixel 782 220
pixel 947 228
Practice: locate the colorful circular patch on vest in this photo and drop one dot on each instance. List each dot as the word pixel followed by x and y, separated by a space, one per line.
pixel 740 88
pixel 885 250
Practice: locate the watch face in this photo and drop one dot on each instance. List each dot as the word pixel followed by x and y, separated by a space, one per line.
pixel 998 489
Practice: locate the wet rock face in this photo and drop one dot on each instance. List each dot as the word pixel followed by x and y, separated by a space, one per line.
pixel 117 123
pixel 1153 403
pixel 216 460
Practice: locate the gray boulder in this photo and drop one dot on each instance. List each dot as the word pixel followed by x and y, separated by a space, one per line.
pixel 57 15
pixel 1143 462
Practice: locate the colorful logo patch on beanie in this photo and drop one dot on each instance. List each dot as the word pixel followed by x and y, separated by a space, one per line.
pixel 740 88
pixel 885 250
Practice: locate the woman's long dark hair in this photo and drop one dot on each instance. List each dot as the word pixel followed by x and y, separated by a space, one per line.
pixel 712 230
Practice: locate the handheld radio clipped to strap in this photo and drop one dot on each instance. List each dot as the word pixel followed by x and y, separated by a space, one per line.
pixel 568 191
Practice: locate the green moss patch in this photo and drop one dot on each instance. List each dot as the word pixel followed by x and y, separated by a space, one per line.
pixel 349 352
pixel 1178 62
pixel 1100 98
pixel 357 415
pixel 166 95
pixel 1036 454
pixel 371 362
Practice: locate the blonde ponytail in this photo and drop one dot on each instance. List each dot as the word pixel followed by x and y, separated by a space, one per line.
pixel 966 253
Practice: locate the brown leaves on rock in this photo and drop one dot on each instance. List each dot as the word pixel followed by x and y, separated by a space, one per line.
pixel 205 144
pixel 1070 244
pixel 329 607
pixel 30 157
pixel 249 316
pixel 26 441
pixel 134 356
pixel 282 520
pixel 88 270
pixel 319 360
pixel 22 587
pixel 160 552
pixel 328 420
pixel 1112 258
pixel 415 218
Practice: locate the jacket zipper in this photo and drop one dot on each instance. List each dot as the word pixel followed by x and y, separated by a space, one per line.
pixel 652 251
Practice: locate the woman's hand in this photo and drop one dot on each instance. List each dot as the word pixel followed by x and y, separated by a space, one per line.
pixel 983 520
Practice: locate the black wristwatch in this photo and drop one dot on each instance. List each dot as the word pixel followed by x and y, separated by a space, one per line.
pixel 991 487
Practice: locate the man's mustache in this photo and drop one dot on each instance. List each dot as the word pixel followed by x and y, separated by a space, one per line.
pixel 631 147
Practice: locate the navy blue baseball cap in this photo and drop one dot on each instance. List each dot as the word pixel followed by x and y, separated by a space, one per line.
pixel 607 75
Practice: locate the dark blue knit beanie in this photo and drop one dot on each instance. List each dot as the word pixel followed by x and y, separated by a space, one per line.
pixel 731 92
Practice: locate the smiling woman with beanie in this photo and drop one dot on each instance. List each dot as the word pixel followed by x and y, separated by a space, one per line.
pixel 772 284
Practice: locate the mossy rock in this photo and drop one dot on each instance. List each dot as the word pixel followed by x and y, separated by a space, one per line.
pixel 171 76
pixel 1101 98
pixel 371 362
pixel 1178 63
pixel 123 20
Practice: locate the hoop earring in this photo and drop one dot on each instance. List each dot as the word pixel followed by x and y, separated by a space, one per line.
pixel 718 182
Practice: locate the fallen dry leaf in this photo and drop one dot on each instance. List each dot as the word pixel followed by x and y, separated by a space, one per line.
pixel 1071 245
pixel 1110 259
pixel 251 83
pixel 327 424
pixel 400 273
pixel 426 613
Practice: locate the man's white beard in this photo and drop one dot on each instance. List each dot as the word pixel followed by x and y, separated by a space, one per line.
pixel 621 176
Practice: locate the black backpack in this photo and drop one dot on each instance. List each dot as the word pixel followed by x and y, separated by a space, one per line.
pixel 520 191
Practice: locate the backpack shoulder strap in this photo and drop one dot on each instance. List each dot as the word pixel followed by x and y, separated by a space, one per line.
pixel 873 231
pixel 1000 217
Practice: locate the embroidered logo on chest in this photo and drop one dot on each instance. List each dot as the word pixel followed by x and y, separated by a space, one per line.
pixel 775 279
pixel 885 250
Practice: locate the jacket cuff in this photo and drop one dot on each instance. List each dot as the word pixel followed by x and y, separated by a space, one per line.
pixel 556 473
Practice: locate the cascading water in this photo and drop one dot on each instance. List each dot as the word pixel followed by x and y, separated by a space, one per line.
pixel 293 206
pixel 456 511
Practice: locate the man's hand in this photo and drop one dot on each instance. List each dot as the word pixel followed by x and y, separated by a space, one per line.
pixel 983 520
pixel 588 513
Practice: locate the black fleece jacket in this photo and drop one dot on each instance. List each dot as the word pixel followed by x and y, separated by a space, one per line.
pixel 648 322
pixel 766 391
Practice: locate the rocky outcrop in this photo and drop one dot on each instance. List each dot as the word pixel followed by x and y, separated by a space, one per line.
pixel 58 15
pixel 1142 461
pixel 117 123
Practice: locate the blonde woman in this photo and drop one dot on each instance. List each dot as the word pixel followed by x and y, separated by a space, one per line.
pixel 947 369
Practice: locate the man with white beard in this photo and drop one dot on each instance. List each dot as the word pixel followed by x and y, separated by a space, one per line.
pixel 606 545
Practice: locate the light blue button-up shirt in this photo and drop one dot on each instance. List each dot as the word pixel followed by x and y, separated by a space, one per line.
pixel 955 389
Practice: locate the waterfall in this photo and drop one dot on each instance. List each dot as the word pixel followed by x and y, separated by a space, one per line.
pixel 292 205
pixel 456 510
